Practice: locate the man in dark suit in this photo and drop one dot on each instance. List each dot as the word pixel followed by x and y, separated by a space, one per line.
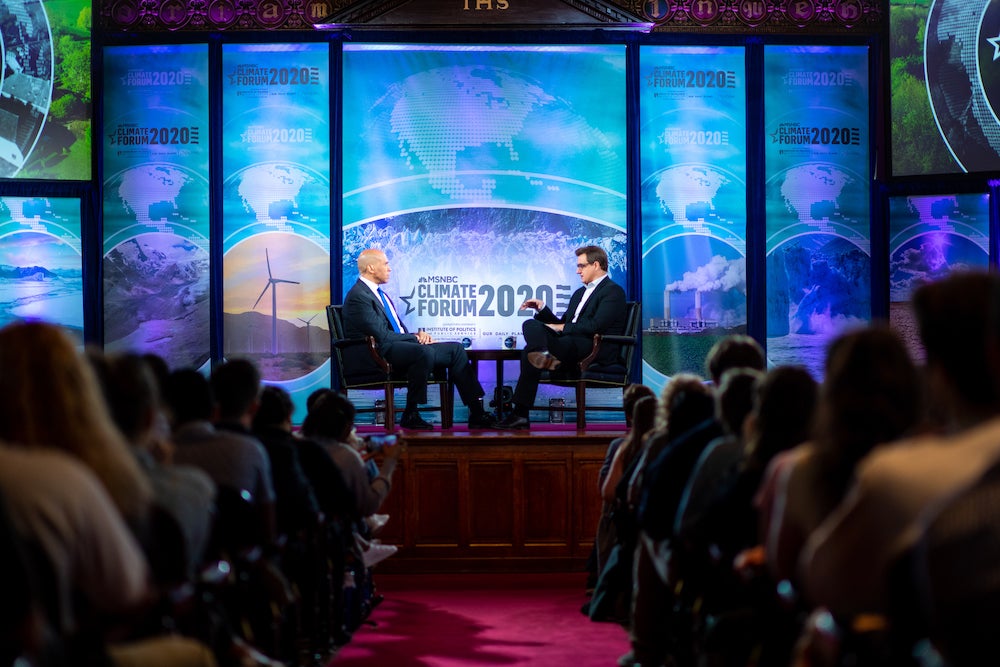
pixel 368 311
pixel 597 307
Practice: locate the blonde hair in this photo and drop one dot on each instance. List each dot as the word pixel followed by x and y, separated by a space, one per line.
pixel 50 397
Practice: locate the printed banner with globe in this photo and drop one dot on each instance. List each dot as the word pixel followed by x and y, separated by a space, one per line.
pixel 276 212
pixel 692 140
pixel 818 199
pixel 41 261
pixel 930 237
pixel 156 202
pixel 479 170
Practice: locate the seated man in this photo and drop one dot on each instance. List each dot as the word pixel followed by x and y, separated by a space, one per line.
pixel 597 307
pixel 369 312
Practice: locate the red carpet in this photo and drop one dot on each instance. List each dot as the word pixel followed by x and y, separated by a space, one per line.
pixel 462 620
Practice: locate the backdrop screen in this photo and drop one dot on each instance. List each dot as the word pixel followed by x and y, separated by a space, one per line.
pixel 41 261
pixel 930 237
pixel 478 170
pixel 945 86
pixel 45 105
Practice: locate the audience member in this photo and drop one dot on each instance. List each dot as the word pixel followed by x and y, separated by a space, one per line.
pixel 782 418
pixel 233 460
pixel 296 507
pixel 331 424
pixel 630 395
pixel 50 397
pixel 847 561
pixel 615 538
pixel 94 569
pixel 185 493
pixel 716 469
pixel 870 396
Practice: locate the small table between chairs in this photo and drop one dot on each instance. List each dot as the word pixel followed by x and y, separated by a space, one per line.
pixel 499 356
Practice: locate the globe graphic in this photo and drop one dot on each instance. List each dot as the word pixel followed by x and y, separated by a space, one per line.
pixel 694 193
pixel 961 80
pixel 466 126
pixel 160 193
pixel 26 77
pixel 816 192
pixel 276 192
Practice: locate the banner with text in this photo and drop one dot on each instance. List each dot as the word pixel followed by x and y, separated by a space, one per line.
pixel 156 202
pixel 692 139
pixel 818 198
pixel 276 212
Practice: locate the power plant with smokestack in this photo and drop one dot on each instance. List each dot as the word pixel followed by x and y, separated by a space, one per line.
pixel 696 322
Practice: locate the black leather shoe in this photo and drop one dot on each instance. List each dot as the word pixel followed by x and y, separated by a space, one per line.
pixel 484 420
pixel 514 422
pixel 414 422
pixel 543 360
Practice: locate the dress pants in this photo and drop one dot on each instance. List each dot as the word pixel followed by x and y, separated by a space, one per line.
pixel 419 360
pixel 567 349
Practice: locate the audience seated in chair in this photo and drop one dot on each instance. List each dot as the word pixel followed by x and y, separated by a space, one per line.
pixel 231 459
pixel 854 564
pixel 330 422
pixel 616 533
pixel 847 561
pixel 94 567
pixel 870 395
pixel 296 506
pixel 640 401
pixel 185 493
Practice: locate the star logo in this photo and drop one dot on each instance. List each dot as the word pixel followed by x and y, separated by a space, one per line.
pixel 995 41
pixel 407 299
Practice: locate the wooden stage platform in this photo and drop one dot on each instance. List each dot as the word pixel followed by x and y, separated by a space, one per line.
pixel 496 501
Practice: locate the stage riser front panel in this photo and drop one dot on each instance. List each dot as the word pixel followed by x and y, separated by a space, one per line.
pixel 495 504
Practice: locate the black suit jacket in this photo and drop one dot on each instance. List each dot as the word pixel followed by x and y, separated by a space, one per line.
pixel 604 313
pixel 364 315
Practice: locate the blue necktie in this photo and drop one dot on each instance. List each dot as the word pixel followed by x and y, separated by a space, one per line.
pixel 388 311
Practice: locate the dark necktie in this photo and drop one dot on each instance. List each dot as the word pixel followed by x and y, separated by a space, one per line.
pixel 388 311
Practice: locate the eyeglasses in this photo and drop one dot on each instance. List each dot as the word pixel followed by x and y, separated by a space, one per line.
pixel 583 266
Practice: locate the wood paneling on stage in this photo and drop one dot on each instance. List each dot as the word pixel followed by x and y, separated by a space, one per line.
pixel 495 502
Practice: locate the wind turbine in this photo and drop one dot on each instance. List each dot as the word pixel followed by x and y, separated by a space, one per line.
pixel 271 283
pixel 308 342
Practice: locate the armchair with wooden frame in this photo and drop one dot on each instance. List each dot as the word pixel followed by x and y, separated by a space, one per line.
pixel 587 374
pixel 359 366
